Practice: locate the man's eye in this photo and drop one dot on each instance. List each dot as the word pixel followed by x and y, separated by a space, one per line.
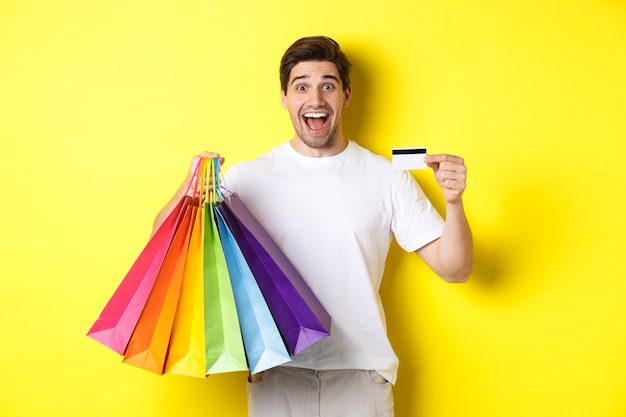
pixel 300 88
pixel 328 87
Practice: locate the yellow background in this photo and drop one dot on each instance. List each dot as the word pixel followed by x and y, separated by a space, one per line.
pixel 103 103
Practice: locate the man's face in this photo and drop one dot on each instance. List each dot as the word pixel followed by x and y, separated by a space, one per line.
pixel 315 100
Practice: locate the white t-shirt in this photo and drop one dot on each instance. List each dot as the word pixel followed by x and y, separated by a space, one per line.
pixel 334 218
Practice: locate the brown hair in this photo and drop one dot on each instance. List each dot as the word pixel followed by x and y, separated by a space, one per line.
pixel 314 48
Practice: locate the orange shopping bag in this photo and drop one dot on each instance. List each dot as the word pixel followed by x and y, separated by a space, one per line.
pixel 149 343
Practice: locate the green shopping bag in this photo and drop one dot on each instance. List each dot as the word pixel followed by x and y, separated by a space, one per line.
pixel 223 340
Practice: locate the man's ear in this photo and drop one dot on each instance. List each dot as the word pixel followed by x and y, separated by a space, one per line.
pixel 347 96
pixel 283 98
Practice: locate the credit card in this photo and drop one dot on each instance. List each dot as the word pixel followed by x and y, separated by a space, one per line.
pixel 408 158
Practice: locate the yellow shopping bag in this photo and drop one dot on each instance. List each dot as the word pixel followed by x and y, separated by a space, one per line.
pixel 186 352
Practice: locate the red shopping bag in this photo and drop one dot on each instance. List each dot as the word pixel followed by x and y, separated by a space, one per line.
pixel 116 322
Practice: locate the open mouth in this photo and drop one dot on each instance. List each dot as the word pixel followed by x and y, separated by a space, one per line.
pixel 316 121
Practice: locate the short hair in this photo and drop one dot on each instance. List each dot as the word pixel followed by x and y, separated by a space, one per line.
pixel 314 48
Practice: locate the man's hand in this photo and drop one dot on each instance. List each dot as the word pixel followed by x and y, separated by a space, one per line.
pixel 450 173
pixel 188 187
pixel 189 184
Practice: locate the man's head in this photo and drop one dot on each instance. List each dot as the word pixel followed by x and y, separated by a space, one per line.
pixel 314 48
pixel 315 88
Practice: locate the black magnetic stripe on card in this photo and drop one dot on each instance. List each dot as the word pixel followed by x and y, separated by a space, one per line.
pixel 408 151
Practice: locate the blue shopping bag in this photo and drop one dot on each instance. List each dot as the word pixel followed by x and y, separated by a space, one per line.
pixel 263 343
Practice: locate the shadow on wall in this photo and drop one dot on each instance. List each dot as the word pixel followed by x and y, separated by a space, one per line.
pixel 528 237
pixel 509 268
pixel 510 247
pixel 355 116
pixel 405 392
pixel 359 118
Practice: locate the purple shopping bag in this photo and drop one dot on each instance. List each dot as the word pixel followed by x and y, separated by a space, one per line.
pixel 301 318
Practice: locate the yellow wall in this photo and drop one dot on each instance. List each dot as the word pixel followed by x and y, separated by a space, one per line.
pixel 102 104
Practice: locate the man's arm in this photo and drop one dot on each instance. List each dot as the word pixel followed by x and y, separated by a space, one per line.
pixel 450 256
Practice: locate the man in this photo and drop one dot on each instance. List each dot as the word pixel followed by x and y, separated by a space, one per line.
pixel 333 207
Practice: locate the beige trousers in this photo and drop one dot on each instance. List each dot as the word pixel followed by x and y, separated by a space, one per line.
pixel 295 392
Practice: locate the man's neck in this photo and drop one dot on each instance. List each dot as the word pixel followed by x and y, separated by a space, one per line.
pixel 337 146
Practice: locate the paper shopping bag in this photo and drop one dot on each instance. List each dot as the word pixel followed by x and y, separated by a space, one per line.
pixel 300 316
pixel 263 343
pixel 224 345
pixel 149 343
pixel 186 355
pixel 116 322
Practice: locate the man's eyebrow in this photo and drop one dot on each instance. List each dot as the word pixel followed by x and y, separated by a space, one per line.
pixel 302 77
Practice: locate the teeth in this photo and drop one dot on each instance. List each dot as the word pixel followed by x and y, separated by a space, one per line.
pixel 315 115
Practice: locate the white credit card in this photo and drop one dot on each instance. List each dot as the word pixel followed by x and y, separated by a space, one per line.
pixel 408 158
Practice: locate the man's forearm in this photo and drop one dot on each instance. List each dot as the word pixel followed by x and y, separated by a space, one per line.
pixel 455 246
pixel 165 211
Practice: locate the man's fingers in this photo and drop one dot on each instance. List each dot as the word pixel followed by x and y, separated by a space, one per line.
pixel 443 157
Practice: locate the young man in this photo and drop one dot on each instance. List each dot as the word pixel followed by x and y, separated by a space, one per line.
pixel 333 207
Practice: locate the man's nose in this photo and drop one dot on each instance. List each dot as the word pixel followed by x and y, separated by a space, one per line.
pixel 316 98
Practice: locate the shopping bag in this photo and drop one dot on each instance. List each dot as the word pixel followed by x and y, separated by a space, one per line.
pixel 300 316
pixel 186 354
pixel 116 322
pixel 223 341
pixel 263 343
pixel 149 343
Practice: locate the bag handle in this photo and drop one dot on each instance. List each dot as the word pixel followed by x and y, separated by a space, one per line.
pixel 200 183
pixel 218 180
pixel 195 181
pixel 207 181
